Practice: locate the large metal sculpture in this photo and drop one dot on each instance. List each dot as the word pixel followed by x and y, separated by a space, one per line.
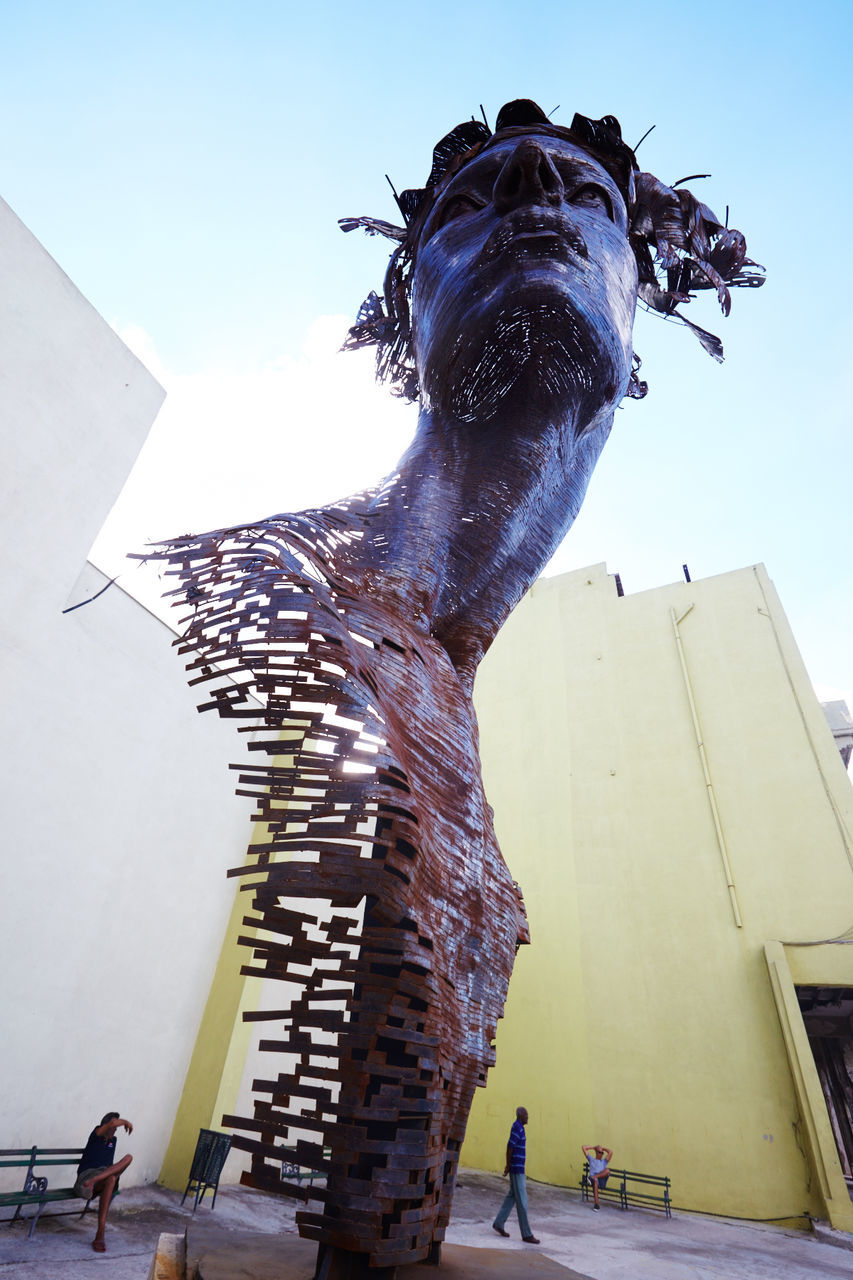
pixel 352 634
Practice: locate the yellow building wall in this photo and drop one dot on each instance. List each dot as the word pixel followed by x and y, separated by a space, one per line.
pixel 643 1015
pixel 213 1077
pixel 223 1047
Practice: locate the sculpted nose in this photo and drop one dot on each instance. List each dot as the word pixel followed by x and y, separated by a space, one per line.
pixel 528 177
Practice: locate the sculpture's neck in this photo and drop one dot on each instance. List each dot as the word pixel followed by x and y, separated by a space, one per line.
pixel 472 515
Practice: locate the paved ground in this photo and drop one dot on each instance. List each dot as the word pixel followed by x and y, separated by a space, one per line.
pixel 610 1245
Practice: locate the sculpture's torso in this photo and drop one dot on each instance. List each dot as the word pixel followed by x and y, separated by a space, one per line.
pixel 374 803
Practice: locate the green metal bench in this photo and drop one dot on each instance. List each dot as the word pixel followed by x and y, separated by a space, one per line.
pixel 35 1190
pixel 646 1190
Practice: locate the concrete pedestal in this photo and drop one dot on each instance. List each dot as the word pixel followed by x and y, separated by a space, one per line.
pixel 214 1255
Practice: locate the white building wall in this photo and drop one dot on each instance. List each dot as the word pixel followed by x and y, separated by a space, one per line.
pixel 119 818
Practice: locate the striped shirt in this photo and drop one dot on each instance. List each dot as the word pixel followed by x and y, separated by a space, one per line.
pixel 517 1145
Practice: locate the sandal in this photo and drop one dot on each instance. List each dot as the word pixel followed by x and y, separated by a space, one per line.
pixel 100 1246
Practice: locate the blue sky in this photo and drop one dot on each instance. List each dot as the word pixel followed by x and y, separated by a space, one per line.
pixel 186 165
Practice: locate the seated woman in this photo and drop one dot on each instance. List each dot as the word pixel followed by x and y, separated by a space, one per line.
pixel 599 1169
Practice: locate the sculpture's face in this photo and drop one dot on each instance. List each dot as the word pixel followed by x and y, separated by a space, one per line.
pixel 525 285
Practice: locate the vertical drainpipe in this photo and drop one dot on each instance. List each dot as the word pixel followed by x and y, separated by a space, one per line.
pixel 709 785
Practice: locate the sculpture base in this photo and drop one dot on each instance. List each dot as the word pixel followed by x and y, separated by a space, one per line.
pixel 215 1255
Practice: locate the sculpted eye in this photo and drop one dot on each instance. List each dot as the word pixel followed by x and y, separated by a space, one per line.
pixel 591 196
pixel 458 207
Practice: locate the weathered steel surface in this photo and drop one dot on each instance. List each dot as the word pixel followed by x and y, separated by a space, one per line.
pixel 412 990
pixel 352 635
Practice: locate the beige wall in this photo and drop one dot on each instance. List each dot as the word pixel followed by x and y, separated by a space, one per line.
pixel 643 1016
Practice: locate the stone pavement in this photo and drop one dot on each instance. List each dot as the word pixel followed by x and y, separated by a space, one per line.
pixel 610 1245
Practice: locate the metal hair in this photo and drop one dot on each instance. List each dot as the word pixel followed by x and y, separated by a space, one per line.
pixel 680 245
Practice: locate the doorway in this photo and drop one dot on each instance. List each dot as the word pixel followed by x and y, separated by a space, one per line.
pixel 828 1018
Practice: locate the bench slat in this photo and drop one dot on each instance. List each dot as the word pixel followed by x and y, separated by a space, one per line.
pixel 26 1152
pixel 8 1198
pixel 60 1151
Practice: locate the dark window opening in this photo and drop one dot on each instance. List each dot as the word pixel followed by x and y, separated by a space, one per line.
pixel 828 1017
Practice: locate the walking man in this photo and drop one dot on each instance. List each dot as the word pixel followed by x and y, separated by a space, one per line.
pixel 98 1172
pixel 599 1169
pixel 517 1194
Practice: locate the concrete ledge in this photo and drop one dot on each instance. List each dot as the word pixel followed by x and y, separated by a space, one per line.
pixel 831 1235
pixel 249 1256
pixel 170 1258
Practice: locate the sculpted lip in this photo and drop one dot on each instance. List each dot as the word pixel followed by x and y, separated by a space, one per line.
pixel 536 233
